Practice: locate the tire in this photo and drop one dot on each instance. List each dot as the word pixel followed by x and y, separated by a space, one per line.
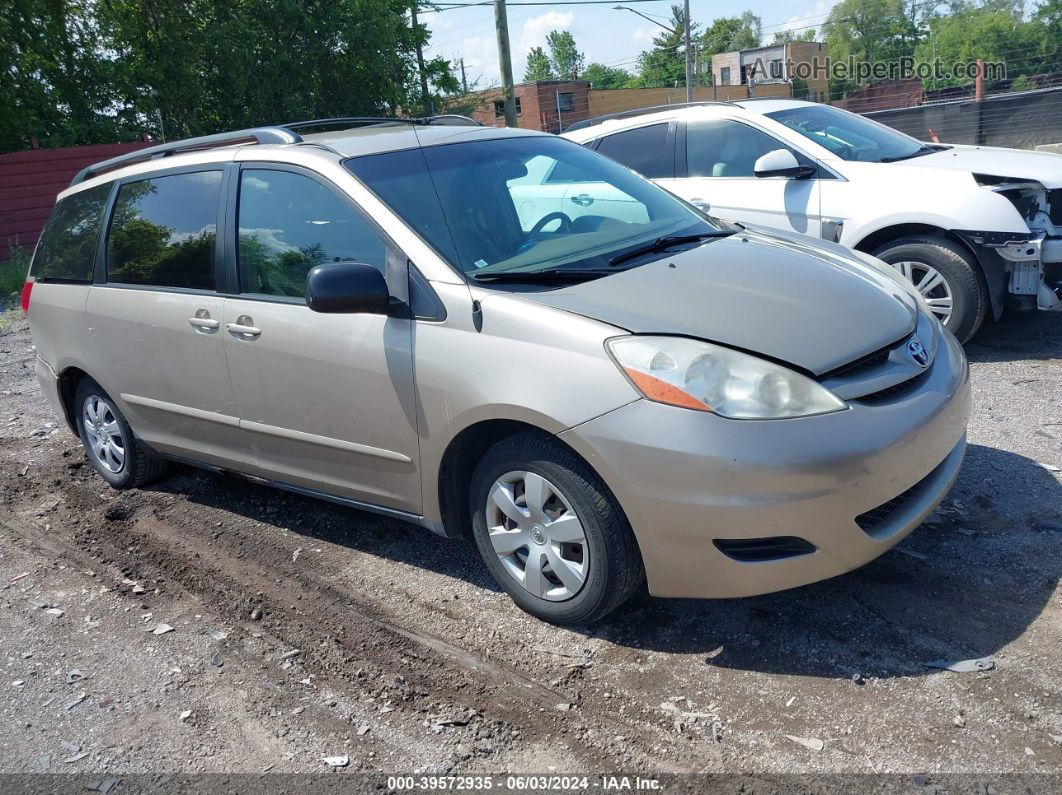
pixel 110 445
pixel 607 556
pixel 963 281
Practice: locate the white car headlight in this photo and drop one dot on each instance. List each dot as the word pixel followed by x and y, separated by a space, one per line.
pixel 698 375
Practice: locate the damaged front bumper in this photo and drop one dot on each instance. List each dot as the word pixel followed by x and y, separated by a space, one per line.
pixel 1025 268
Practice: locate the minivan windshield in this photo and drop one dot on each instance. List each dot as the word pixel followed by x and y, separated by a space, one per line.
pixel 851 137
pixel 504 208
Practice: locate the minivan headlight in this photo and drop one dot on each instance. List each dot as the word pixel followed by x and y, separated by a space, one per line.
pixel 699 375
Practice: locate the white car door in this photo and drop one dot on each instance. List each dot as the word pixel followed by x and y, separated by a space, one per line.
pixel 715 160
pixel 552 186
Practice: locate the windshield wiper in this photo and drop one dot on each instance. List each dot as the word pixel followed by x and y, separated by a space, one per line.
pixel 547 275
pixel 664 243
pixel 925 150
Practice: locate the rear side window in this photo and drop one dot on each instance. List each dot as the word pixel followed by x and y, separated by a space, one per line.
pixel 288 224
pixel 645 150
pixel 163 230
pixel 67 250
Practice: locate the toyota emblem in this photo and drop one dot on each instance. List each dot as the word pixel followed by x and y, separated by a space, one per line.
pixel 918 352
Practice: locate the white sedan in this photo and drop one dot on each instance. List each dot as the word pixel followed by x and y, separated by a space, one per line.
pixel 974 228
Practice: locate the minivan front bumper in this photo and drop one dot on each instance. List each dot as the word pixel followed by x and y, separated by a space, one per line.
pixel 689 480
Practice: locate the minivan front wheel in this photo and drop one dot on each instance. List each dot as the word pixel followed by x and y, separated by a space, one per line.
pixel 120 458
pixel 550 532
pixel 946 277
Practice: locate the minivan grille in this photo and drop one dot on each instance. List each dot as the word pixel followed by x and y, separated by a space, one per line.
pixel 868 522
pixel 868 362
pixel 894 391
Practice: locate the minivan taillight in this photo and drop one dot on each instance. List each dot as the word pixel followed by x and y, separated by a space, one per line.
pixel 27 288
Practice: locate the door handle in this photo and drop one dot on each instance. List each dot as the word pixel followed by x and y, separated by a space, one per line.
pixel 241 330
pixel 202 322
pixel 243 327
pixel 583 200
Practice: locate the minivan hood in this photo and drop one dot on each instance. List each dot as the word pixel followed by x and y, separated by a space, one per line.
pixel 1042 167
pixel 782 296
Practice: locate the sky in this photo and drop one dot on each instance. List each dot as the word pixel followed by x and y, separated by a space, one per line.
pixel 602 34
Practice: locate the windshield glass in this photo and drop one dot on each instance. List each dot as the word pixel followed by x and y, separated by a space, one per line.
pixel 847 135
pixel 520 205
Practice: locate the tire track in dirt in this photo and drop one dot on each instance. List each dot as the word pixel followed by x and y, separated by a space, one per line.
pixel 148 536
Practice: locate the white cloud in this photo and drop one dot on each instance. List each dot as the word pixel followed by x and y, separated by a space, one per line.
pixel 533 34
pixel 813 17
pixel 646 35
pixel 533 31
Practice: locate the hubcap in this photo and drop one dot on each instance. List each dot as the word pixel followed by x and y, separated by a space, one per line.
pixel 537 535
pixel 931 284
pixel 104 436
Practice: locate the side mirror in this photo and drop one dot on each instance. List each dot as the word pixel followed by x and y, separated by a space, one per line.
pixel 781 163
pixel 346 287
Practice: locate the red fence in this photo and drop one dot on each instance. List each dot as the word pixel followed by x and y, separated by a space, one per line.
pixel 29 182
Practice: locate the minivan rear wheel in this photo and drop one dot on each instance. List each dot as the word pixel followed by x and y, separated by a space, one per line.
pixel 946 276
pixel 550 532
pixel 121 459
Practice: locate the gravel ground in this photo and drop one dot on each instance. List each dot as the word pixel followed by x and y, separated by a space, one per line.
pixel 301 630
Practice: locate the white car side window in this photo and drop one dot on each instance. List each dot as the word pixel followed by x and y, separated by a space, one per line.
pixel 724 148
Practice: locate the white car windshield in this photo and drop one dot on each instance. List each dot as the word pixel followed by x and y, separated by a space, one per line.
pixel 851 137
pixel 510 207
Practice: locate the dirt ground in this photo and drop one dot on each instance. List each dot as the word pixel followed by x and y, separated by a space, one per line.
pixel 301 630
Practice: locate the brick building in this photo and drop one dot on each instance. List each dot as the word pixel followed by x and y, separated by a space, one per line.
pixel 546 105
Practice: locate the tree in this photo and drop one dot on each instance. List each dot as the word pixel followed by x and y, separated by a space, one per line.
pixel 564 57
pixel 786 36
pixel 868 30
pixel 538 66
pixel 84 71
pixel 53 80
pixel 728 34
pixel 665 64
pixel 994 35
pixel 601 76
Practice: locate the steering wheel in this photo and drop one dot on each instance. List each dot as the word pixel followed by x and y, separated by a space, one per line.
pixel 565 226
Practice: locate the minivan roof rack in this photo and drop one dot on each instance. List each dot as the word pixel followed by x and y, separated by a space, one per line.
pixel 629 114
pixel 260 135
pixel 276 134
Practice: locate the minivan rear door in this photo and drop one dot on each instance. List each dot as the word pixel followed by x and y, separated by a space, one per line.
pixel 154 316
pixel 327 401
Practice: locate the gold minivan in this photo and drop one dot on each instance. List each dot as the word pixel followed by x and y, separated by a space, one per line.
pixel 498 334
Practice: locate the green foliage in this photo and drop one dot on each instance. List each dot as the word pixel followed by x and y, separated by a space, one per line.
pixel 566 62
pixel 79 71
pixel 601 76
pixel 53 79
pixel 786 36
pixel 665 64
pixel 1023 83
pixel 538 66
pixel 728 34
pixel 13 275
pixel 991 34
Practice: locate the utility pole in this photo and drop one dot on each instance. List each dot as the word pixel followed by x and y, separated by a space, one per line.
pixel 464 80
pixel 689 51
pixel 425 97
pixel 505 62
pixel 672 31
